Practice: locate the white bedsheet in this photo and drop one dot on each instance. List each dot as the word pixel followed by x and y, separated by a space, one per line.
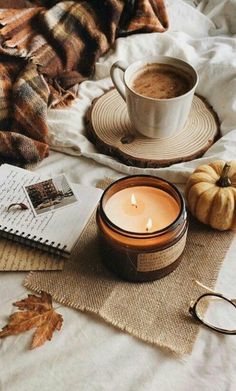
pixel 89 355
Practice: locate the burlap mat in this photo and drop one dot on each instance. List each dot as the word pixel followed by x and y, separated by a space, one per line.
pixel 156 312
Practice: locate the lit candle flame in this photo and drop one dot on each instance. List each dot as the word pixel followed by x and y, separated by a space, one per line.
pixel 149 225
pixel 133 201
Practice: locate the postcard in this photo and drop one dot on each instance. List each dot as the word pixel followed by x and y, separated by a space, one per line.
pixel 50 195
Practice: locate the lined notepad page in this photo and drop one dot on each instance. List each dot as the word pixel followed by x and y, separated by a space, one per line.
pixel 62 226
pixel 17 257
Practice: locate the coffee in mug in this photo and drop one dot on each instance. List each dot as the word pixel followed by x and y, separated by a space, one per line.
pixel 161 81
pixel 158 91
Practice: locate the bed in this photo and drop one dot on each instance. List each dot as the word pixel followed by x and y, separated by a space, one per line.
pixel 89 354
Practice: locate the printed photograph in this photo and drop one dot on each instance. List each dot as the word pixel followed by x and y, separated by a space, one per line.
pixel 50 195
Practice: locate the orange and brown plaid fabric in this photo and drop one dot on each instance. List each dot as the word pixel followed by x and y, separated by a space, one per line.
pixel 48 46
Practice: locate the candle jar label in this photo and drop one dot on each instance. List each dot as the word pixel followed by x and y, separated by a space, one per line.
pixel 148 262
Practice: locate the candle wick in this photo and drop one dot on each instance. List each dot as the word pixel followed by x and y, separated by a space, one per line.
pixel 133 201
pixel 149 225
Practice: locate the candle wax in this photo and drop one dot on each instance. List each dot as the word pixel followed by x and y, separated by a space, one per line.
pixel 151 203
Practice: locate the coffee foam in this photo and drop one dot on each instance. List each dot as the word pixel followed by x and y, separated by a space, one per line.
pixel 161 81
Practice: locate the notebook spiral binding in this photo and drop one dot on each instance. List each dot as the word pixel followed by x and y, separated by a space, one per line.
pixel 33 241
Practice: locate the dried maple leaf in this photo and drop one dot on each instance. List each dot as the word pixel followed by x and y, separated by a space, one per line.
pixel 36 312
pixel 40 303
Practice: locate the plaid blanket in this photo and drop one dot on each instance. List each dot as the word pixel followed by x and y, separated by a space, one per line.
pixel 48 46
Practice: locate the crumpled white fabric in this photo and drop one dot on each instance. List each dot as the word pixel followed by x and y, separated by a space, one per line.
pixel 194 37
pixel 222 13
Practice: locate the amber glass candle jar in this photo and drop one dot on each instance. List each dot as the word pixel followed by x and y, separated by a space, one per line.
pixel 142 224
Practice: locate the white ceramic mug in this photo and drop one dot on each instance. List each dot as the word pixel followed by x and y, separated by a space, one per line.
pixel 154 118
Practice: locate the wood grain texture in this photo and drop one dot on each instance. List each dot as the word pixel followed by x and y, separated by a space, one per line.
pixel 109 128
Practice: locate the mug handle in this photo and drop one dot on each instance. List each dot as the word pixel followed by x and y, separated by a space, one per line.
pixel 116 77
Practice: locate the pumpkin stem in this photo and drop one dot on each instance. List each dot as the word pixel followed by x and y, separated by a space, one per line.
pixel 224 180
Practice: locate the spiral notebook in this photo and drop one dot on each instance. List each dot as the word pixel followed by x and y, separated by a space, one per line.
pixel 53 216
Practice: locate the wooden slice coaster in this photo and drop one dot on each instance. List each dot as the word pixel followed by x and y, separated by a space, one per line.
pixel 109 128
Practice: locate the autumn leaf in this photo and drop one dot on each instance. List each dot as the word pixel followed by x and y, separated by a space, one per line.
pixel 40 303
pixel 35 312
